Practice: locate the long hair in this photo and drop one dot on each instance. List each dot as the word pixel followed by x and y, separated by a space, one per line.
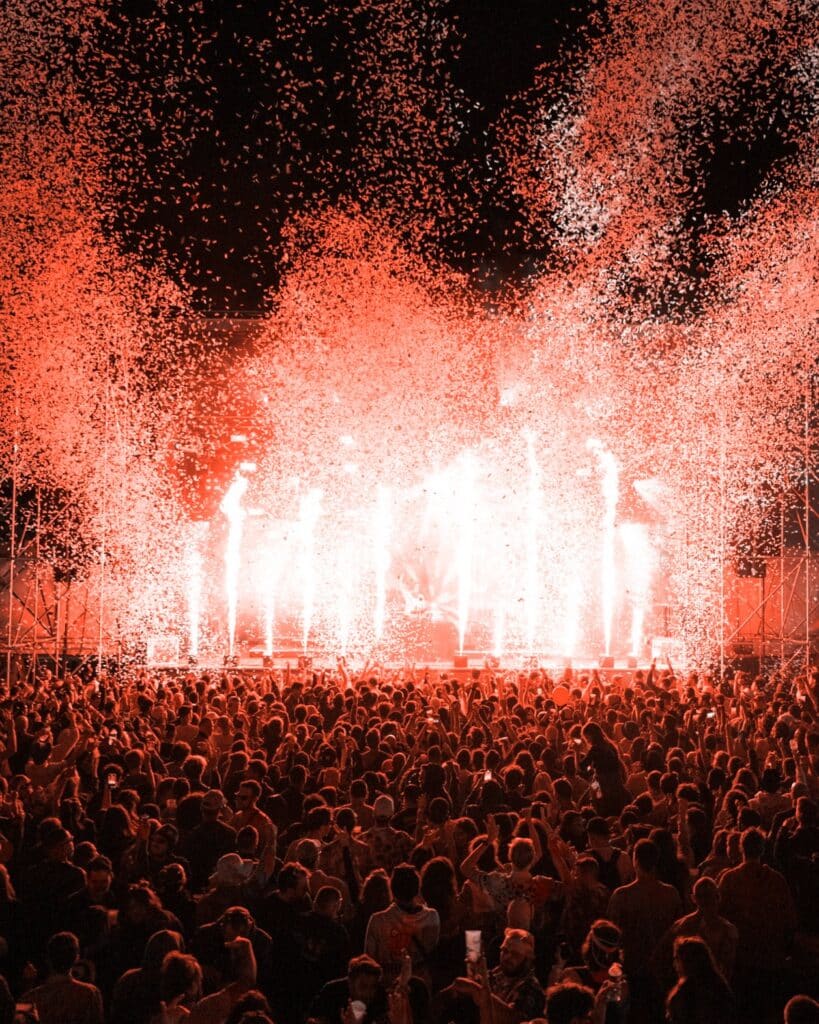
pixel 438 884
pixel 702 994
pixel 375 892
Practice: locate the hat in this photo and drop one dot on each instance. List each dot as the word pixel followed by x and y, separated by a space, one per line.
pixel 383 806
pixel 173 874
pixel 213 800
pixel 56 837
pixel 169 833
pixel 231 870
pixel 605 941
pixel 519 941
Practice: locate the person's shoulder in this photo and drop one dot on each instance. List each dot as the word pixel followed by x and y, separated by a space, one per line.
pixel 86 987
pixel 624 892
pixel 668 890
pixel 773 877
pixel 685 925
pixel 730 876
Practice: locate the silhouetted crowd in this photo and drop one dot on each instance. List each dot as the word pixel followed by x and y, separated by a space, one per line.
pixel 407 847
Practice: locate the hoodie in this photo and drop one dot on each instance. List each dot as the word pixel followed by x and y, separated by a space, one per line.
pixel 398 930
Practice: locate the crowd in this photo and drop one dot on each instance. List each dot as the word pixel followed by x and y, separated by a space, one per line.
pixel 402 847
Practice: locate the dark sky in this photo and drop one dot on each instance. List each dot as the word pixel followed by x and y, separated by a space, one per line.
pixel 226 119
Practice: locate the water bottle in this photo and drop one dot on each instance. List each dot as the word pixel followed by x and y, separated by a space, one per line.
pixel 617 980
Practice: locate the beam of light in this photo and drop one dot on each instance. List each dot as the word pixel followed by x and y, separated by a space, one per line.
pixel 309 513
pixel 269 621
pixel 194 566
pixel 639 569
pixel 231 508
pixel 571 621
pixel 269 600
pixel 610 486
pixel 345 593
pixel 532 585
pixel 498 630
pixel 381 553
pixel 466 506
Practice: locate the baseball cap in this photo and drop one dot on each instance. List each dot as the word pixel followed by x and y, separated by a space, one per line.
pixel 383 806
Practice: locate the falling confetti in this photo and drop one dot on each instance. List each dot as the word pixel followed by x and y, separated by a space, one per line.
pixel 467 291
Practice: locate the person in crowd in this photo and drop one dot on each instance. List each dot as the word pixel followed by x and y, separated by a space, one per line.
pixel 511 991
pixel 218 844
pixel 706 923
pixel 363 986
pixel 614 864
pixel 136 994
pixel 211 839
pixel 757 901
pixel 702 995
pixel 61 999
pixel 406 927
pixel 644 910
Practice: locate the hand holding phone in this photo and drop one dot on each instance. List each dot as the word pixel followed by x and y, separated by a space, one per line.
pixel 473 949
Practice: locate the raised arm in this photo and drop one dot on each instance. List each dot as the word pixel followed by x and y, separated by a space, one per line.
pixel 469 866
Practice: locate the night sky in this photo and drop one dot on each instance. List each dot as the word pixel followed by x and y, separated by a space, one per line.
pixel 223 121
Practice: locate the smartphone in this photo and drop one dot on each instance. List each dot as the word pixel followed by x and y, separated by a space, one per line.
pixel 711 714
pixel 487 776
pixel 473 945
pixel 111 780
